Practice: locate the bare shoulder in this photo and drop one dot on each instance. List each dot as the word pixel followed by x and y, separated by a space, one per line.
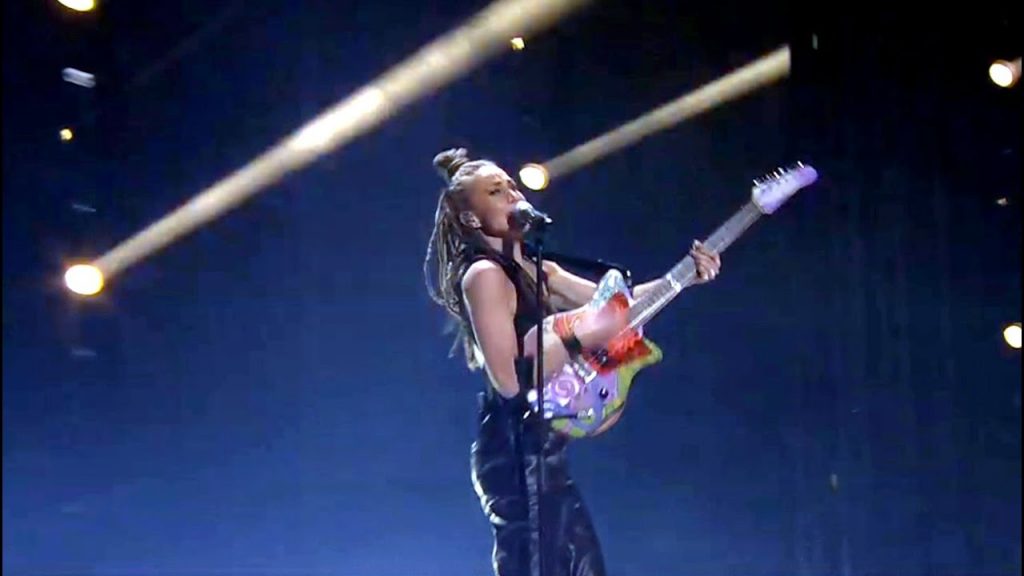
pixel 485 280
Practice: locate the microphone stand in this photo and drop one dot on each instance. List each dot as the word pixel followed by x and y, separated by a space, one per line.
pixel 524 367
pixel 536 251
pixel 542 423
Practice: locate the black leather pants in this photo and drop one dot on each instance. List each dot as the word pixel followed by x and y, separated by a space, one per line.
pixel 504 467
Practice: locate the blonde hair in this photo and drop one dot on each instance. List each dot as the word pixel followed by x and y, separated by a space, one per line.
pixel 452 243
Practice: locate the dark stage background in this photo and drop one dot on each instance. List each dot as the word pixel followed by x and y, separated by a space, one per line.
pixel 271 395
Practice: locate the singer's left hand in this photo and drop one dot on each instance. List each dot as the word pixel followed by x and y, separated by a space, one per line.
pixel 708 262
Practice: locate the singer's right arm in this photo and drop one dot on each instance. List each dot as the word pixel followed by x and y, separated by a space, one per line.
pixel 491 300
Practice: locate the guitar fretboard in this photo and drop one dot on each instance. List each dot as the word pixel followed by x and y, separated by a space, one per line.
pixel 680 276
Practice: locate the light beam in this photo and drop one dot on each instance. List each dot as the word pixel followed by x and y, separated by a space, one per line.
pixel 740 82
pixel 434 65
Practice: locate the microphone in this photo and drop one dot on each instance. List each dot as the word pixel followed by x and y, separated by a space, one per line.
pixel 524 216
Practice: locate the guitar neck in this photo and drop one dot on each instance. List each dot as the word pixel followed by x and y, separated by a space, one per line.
pixel 684 272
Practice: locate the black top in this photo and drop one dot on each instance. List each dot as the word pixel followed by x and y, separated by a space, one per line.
pixel 526 294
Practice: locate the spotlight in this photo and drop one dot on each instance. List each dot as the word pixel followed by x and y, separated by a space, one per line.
pixel 1004 73
pixel 84 279
pixel 66 134
pixel 518 43
pixel 78 77
pixel 534 176
pixel 1012 335
pixel 79 5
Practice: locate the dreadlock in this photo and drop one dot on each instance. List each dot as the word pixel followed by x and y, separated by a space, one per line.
pixel 451 242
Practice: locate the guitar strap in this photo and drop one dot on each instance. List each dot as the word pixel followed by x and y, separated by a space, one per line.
pixel 589 266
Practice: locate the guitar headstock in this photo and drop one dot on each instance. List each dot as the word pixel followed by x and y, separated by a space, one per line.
pixel 772 190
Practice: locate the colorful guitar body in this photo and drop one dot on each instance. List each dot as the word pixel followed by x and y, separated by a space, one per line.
pixel 587 396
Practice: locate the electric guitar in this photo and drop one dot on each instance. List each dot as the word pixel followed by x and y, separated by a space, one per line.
pixel 587 396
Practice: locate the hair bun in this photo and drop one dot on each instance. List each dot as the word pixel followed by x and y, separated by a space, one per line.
pixel 447 163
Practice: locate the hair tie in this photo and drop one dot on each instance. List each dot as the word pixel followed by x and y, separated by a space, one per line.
pixel 453 168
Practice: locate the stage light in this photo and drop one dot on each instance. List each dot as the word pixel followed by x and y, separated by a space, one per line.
pixel 66 135
pixel 78 77
pixel 84 279
pixel 534 176
pixel 79 5
pixel 427 70
pixel 766 70
pixel 518 43
pixel 1012 335
pixel 1004 73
